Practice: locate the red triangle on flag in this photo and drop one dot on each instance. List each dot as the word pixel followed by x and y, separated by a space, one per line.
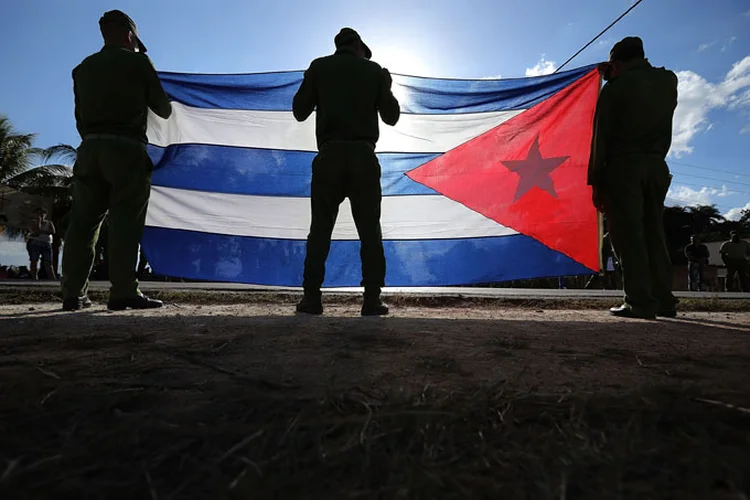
pixel 529 173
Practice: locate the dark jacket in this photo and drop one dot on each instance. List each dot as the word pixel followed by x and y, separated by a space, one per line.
pixel 113 89
pixel 633 118
pixel 347 92
pixel 697 252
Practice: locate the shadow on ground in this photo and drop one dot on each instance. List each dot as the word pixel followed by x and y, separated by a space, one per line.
pixel 246 403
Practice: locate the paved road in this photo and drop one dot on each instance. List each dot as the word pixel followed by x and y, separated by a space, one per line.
pixel 525 293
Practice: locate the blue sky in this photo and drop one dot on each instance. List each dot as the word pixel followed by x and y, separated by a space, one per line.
pixel 707 43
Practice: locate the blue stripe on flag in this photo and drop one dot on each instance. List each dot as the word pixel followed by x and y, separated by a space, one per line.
pixel 264 172
pixel 417 95
pixel 212 257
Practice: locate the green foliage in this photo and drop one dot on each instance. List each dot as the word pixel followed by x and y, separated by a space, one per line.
pixel 704 221
pixel 32 170
pixel 41 172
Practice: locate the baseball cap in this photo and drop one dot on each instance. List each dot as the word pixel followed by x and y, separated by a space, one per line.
pixel 119 17
pixel 348 35
pixel 628 48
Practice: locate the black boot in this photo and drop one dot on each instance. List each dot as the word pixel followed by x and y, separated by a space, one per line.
pixel 372 305
pixel 138 302
pixel 311 303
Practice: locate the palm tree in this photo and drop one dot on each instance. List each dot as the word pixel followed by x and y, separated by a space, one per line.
pixel 706 218
pixel 14 148
pixel 42 172
pixel 745 220
pixel 17 157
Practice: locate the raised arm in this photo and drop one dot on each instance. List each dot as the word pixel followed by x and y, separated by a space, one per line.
pixel 387 103
pixel 158 100
pixel 305 99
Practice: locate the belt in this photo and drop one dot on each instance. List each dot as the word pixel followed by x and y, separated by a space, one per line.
pixel 337 142
pixel 655 156
pixel 115 137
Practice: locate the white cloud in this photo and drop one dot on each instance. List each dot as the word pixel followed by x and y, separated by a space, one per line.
pixel 691 197
pixel 728 44
pixel 736 213
pixel 697 97
pixel 496 77
pixel 745 130
pixel 543 67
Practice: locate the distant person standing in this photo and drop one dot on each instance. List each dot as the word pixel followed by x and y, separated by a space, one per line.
pixel 611 267
pixel 630 177
pixel 114 89
pixel 39 245
pixel 697 256
pixel 735 254
pixel 347 91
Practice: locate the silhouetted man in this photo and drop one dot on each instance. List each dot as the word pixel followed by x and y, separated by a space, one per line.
pixel 697 256
pixel 735 253
pixel 630 177
pixel 347 91
pixel 114 89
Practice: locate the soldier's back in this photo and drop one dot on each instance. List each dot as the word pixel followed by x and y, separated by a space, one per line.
pixel 348 89
pixel 111 91
pixel 647 98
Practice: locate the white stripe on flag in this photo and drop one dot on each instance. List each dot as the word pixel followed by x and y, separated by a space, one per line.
pixel 403 217
pixel 279 129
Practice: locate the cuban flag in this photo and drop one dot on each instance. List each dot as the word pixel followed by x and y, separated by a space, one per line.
pixel 483 181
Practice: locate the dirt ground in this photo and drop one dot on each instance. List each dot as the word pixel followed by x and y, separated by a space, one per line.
pixel 64 375
pixel 552 351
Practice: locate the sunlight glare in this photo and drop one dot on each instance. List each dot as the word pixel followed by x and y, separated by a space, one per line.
pixel 400 60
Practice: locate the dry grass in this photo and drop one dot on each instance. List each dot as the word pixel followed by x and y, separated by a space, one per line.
pixel 231 441
pixel 242 403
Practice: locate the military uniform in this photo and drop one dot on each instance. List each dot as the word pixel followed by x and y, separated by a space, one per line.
pixel 113 88
pixel 735 254
pixel 347 92
pixel 632 135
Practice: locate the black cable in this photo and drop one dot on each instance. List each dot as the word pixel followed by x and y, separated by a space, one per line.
pixel 597 36
pixel 729 190
pixel 712 179
pixel 728 172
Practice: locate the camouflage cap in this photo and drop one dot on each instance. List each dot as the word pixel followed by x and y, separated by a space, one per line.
pixel 347 36
pixel 119 17
pixel 629 47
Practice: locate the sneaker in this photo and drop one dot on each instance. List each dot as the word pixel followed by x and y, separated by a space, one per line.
pixel 625 311
pixel 77 303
